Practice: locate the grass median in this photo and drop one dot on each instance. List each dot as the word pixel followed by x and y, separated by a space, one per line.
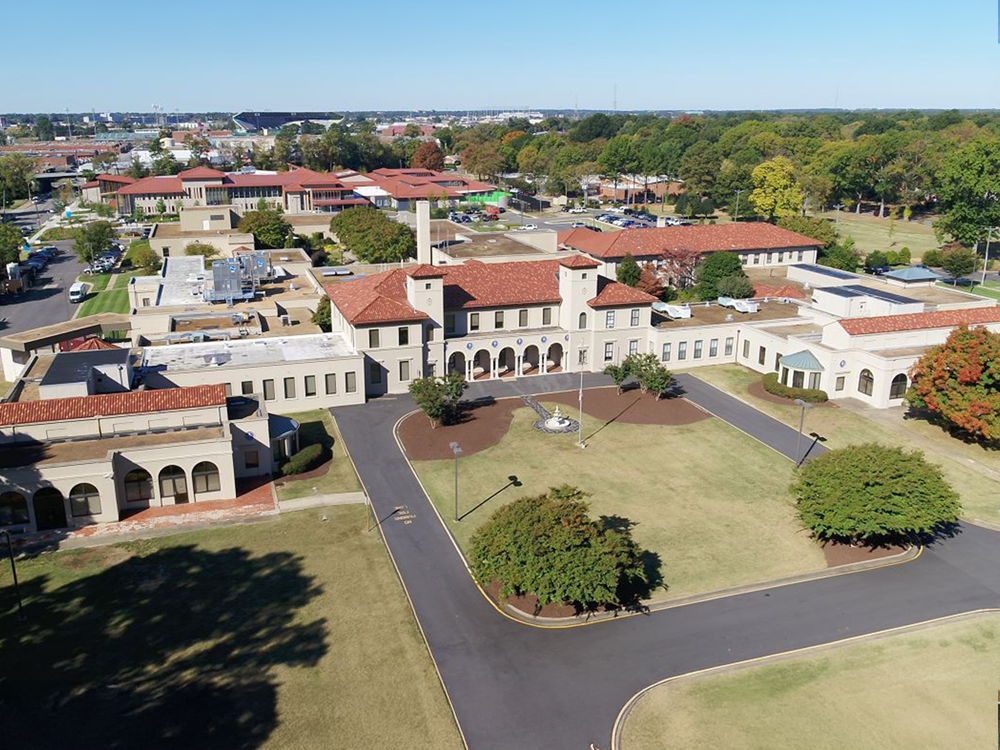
pixel 974 471
pixel 712 503
pixel 288 633
pixel 928 688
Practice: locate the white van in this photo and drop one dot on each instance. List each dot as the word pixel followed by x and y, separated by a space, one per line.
pixel 77 292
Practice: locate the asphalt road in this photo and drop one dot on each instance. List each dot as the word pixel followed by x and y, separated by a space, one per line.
pixel 48 301
pixel 516 686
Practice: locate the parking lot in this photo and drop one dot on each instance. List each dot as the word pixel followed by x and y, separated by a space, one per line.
pixel 47 302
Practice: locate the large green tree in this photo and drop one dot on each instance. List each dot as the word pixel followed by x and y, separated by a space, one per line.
pixel 968 190
pixel 269 228
pixel 10 244
pixel 372 237
pixel 428 156
pixel 959 262
pixel 548 546
pixel 92 240
pixel 628 271
pixel 959 381
pixel 713 269
pixel 874 494
pixel 438 397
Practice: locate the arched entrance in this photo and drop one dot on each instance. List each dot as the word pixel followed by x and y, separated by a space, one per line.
pixel 50 510
pixel 897 389
pixel 173 485
pixel 531 360
pixel 456 363
pixel 507 363
pixel 482 366
pixel 554 358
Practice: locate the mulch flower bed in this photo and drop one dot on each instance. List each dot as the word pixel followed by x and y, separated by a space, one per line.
pixel 837 553
pixel 528 603
pixel 756 389
pixel 484 423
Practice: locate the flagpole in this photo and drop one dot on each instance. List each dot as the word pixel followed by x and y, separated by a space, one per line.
pixel 579 439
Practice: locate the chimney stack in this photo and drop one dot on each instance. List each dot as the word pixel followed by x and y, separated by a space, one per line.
pixel 424 232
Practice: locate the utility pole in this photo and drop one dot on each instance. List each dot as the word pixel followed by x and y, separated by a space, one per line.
pixel 986 263
pixel 737 218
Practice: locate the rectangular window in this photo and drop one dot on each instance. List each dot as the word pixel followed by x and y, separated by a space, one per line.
pixel 310 383
pixel 498 319
pixel 682 350
pixel 449 323
pixel 374 373
pixel 697 348
pixel 609 351
pixel 86 504
pixel 206 482
pixel 798 378
pixel 404 335
pixel 546 316
pixel 746 348
pixel 841 382
pixel 729 346
pixel 634 318
pixel 761 355
pixel 269 390
pixel 800 256
pixel 473 321
pixel 582 359
pixel 609 319
pixel 666 352
pixel 814 380
pixel 247 387
pixel 777 361
pixel 633 347
pixel 351 382
pixel 229 389
pixel 756 259
pixel 251 460
pixel 404 371
pixel 430 333
pixel 289 387
pixel 331 383
pixel 784 376
pixel 713 348
pixel 373 338
pixel 522 318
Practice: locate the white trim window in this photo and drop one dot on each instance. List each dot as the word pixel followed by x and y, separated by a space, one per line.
pixel 609 319
pixel 609 351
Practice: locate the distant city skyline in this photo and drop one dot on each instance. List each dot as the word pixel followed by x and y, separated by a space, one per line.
pixel 586 55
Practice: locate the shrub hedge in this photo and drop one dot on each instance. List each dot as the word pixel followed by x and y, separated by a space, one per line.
pixel 308 458
pixel 811 395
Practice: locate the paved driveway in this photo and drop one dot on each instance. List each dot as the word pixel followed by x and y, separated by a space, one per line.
pixel 516 686
pixel 47 302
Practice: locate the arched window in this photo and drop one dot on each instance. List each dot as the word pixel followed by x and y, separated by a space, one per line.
pixel 85 500
pixel 866 383
pixel 897 389
pixel 138 486
pixel 13 509
pixel 583 320
pixel 173 484
pixel 206 478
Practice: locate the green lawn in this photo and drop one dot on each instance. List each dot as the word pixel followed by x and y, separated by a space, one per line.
pixel 929 688
pixel 841 426
pixel 110 300
pixel 871 233
pixel 287 633
pixel 317 426
pixel 711 502
pixel 989 290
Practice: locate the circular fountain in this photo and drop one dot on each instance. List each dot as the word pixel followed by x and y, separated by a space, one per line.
pixel 557 422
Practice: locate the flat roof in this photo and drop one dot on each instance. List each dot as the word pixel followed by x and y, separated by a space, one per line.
pixel 247 352
pixel 489 246
pixel 857 290
pixel 833 273
pixel 714 314
pixel 74 367
pixel 36 338
pixel 182 281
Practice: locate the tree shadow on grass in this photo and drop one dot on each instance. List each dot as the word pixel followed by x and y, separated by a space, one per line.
pixel 172 649
pixel 632 592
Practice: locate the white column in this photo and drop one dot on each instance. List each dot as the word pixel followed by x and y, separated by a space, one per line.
pixel 493 367
pixel 544 367
pixel 518 364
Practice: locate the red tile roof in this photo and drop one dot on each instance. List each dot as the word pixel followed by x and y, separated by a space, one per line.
pixel 424 183
pixel 425 271
pixel 92 183
pixel 123 179
pixel 201 173
pixel 154 186
pixel 579 261
pixel 920 321
pixel 705 238
pixel 613 294
pixel 89 345
pixel 787 290
pixel 380 298
pixel 112 404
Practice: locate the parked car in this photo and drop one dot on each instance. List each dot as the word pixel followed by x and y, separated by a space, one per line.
pixel 577 210
pixel 877 270
pixel 617 210
pixel 579 225
pixel 526 228
pixel 77 292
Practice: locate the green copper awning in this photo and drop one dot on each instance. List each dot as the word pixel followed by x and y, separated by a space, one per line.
pixel 803 360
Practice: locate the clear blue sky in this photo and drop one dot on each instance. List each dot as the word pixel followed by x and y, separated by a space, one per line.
pixel 350 55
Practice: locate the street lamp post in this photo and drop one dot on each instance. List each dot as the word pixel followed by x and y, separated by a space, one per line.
pixel 838 207
pixel 986 263
pixel 798 440
pixel 457 450
pixel 736 218
pixel 579 424
pixel 13 570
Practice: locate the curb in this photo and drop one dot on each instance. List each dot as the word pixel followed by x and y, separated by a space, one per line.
pixel 557 623
pixel 616 730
